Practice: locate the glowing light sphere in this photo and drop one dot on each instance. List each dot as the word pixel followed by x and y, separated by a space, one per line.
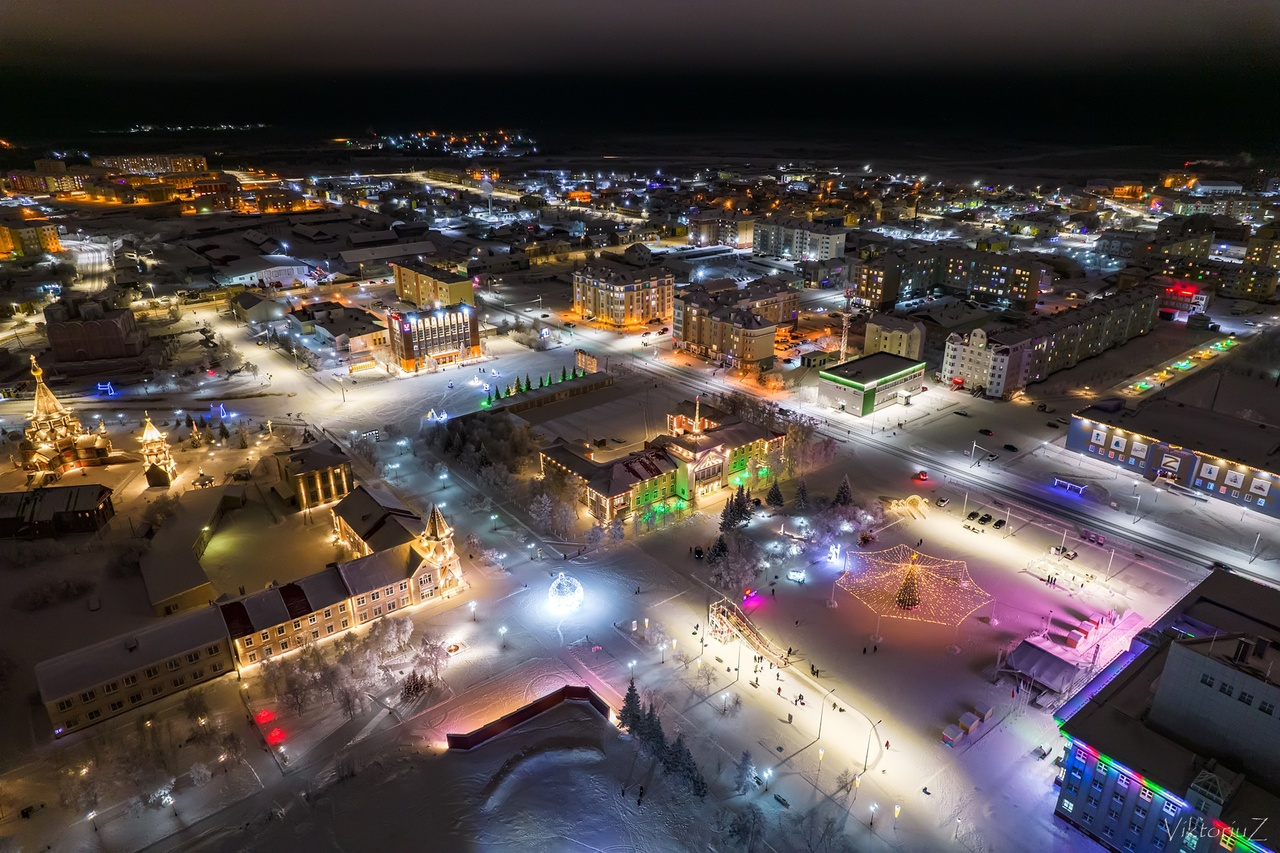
pixel 565 594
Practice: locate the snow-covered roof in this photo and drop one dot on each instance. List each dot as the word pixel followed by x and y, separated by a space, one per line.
pixel 91 666
pixel 380 569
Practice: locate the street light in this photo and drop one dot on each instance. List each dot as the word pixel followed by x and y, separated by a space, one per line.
pixel 897 810
pixel 872 825
pixel 822 711
pixel 631 668
pixel 503 632
pixel 724 703
pixel 494 519
pixel 473 611
pixel 867 755
pixel 767 775
pixel 857 783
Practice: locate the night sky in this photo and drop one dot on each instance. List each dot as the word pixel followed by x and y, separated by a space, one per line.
pixel 904 58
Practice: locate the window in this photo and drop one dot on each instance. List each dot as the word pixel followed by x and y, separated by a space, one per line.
pixel 328 629
pixel 266 635
pixel 342 608
pixel 391 605
pixel 173 664
pixel 179 681
pixel 280 631
pixel 1087 818
pixel 1170 808
pixel 1113 814
pixel 344 623
pixel 1068 806
pixel 151 672
pixel 328 612
pixel 364 615
pixel 1096 785
pixel 1135 828
pixel 403 586
pixel 1267 708
pixel 135 698
pixel 1130 846
pixel 130 680
pixel 315 634
pixel 217 667
pixel 297 624
pixel 193 657
pixel 377 611
pixel 267 651
pixel 1245 697
pixel 112 687
pixel 1145 794
pixel 248 642
pixel 213 650
pixel 1139 812
pixel 93 715
pixel 284 644
pixel 253 656
pixel 1073 790
pixel 1157 841
pixel 1122 781
pixel 157 690
pixel 389 591
pixel 1117 798
pixel 1108 831
pixel 1226 689
pixel 197 675
pixel 65 704
pixel 374 596
pixel 311 620
pixel 404 601
pixel 88 696
pixel 1093 802
pixel 116 706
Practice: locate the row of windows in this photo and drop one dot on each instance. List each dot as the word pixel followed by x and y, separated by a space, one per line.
pixel 134 698
pixel 1247 698
pixel 130 680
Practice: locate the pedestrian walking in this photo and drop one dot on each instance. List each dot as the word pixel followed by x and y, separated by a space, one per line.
pixel 773 593
pixel 797 623
pixel 864 650
pixel 886 744
pixel 779 691
pixel 875 648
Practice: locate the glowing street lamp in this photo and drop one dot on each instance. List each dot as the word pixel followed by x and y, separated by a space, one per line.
pixel 473 611
pixel 767 775
pixel 503 632
pixel 872 825
pixel 897 810
pixel 494 519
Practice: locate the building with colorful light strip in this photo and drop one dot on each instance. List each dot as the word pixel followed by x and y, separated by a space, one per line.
pixel 1187 449
pixel 867 384
pixel 1176 745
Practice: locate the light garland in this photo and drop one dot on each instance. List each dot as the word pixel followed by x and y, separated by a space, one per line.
pixel 902 583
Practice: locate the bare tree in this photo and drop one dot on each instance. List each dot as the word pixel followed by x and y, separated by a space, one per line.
pixel 432 657
pixel 351 700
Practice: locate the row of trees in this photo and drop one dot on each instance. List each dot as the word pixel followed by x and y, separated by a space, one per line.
pixel 646 727
pixel 484 439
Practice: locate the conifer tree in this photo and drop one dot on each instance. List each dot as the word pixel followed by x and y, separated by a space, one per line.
pixel 802 495
pixel 844 494
pixel 631 715
pixel 774 498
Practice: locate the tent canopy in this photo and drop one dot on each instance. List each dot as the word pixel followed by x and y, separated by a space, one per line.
pixel 1041 666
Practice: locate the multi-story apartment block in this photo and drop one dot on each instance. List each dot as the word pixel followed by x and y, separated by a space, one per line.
pixel 28 237
pixel 623 297
pixel 1005 280
pixel 1141 247
pixel 1005 361
pixel 731 324
pixel 717 228
pixel 798 239
pixel 835 273
pixel 1263 248
pixel 882 281
pixel 886 333
pixel 84 328
pixel 699 456
pixel 280 618
pixel 1227 280
pixel 1176 746
pixel 152 164
pixel 423 339
pixel 105 679
pixel 429 286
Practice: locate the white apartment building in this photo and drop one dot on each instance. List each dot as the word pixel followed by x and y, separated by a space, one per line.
pixel 798 239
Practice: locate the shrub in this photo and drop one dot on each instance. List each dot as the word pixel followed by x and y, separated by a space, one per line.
pixel 49 593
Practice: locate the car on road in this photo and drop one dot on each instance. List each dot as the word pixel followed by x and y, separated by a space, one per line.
pixel 697 553
pixel 986 517
pixel 1000 522
pixel 568 325
pixel 941 502
pixel 664 330
pixel 991 457
pixel 796 575
pixel 1053 424
pixel 645 334
pixel 986 432
pixel 961 412
pixel 543 316
pixel 922 476
pixel 973 515
pixel 788 361
pixel 1011 448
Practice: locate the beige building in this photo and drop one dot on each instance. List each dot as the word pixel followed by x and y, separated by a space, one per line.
pixel 1263 248
pixel 27 237
pixel 886 333
pixel 408 574
pixel 623 297
pixel 284 618
pixel 313 475
pixel 429 286
pixel 734 325
pixel 722 228
pixel 100 681
pixel 152 164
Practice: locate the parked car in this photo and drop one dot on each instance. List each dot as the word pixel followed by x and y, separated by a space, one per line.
pixel 697 553
pixel 569 325
pixel 986 432
pixel 1000 522
pixel 973 515
pixel 941 502
pixel 961 412
pixel 986 517
pixel 544 316
pixel 1011 448
pixel 1053 424
pixel 664 330
pixel 991 457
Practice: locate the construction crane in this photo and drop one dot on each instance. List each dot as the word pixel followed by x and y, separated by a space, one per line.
pixel 844 338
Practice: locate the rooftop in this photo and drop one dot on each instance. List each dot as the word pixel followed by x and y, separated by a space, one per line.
pixel 434 272
pixel 872 368
pixel 380 569
pixel 1226 437
pixel 43 504
pixel 170 567
pixel 92 666
pixel 314 457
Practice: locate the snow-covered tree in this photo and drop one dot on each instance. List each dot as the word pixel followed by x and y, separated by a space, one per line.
pixel 562 518
pixel 351 700
pixel 594 536
pixel 199 774
pixel 540 511
pixel 844 494
pixel 631 716
pixel 432 657
pixel 744 773
pixel 617 530
pixel 728 520
pixel 801 502
pixel 651 732
pixel 738 564
pixel 774 498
